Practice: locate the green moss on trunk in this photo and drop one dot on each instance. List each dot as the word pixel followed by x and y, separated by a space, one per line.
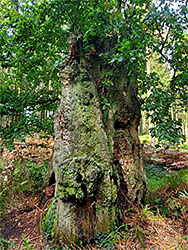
pixel 82 161
pixel 97 161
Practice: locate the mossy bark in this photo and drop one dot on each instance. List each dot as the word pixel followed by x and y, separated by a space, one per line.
pixel 82 163
pixel 97 162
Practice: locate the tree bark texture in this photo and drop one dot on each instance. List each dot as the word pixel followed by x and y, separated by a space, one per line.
pixel 97 160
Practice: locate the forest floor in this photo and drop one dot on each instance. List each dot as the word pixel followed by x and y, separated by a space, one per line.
pixel 162 223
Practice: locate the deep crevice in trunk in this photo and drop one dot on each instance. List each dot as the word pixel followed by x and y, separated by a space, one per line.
pixel 97 161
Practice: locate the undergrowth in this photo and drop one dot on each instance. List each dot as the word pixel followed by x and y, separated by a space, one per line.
pixel 167 192
pixel 157 178
pixel 20 177
pixel 166 198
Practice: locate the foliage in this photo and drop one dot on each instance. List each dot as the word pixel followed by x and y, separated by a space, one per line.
pixel 29 82
pixel 145 138
pixel 49 222
pixel 178 179
pixel 25 244
pixel 161 102
pixel 183 193
pixel 5 245
pixel 34 43
pixel 29 176
pixel 25 177
pixel 158 177
pixel 110 240
pixel 19 174
pixel 161 196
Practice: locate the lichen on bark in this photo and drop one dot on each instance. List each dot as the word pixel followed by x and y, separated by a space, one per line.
pixel 82 161
pixel 97 162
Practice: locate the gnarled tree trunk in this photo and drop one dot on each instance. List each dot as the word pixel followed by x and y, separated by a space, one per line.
pixel 97 159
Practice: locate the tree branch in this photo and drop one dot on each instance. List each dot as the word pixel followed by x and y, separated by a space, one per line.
pixel 165 40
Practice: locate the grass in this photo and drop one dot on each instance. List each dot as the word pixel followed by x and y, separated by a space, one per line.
pixel 157 178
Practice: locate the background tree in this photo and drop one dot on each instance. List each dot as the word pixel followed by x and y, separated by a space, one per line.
pixel 169 20
pixel 29 80
pixel 98 51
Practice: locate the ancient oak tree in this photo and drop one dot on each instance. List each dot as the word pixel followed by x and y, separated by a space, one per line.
pixel 97 158
pixel 96 51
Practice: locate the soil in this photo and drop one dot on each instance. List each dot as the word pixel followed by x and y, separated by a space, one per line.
pixel 22 223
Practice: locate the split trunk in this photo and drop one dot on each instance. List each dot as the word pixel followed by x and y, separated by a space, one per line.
pixel 97 159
